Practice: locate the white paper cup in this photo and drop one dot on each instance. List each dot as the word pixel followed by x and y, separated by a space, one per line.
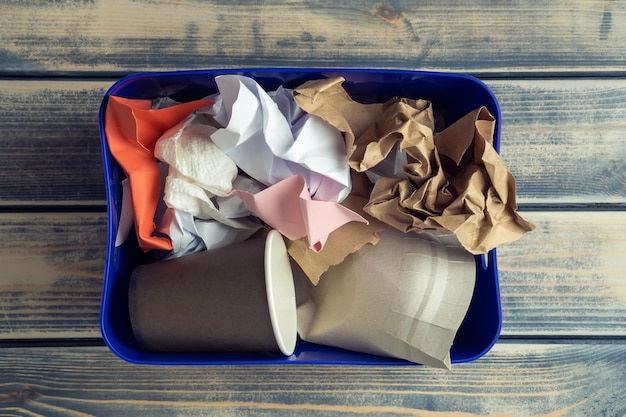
pixel 239 298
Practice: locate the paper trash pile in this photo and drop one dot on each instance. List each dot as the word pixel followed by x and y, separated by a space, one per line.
pixel 350 186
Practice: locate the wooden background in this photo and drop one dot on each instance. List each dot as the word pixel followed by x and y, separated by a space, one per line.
pixel 558 69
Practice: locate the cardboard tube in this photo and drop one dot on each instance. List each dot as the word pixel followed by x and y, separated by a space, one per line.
pixel 239 298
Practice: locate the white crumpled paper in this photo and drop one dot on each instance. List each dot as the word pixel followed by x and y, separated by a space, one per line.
pixel 189 234
pixel 198 170
pixel 271 138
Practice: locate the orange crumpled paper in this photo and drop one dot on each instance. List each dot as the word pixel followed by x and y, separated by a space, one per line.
pixel 132 128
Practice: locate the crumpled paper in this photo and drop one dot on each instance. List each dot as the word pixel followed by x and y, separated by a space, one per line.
pixel 198 170
pixel 189 234
pixel 132 128
pixel 327 99
pixel 271 138
pixel 405 297
pixel 454 181
pixel 287 207
pixel 466 189
pixel 343 241
pixel 405 125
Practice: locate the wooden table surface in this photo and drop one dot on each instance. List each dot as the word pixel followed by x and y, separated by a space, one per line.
pixel 558 69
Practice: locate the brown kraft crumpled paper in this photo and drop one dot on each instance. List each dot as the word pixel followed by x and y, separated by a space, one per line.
pixel 452 181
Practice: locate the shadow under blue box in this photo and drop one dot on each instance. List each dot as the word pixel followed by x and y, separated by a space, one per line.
pixel 452 95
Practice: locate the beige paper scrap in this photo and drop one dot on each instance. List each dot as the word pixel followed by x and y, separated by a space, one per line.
pixel 405 297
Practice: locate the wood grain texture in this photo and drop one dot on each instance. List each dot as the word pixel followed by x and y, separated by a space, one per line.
pixel 49 142
pixel 563 286
pixel 512 380
pixel 562 139
pixel 483 36
pixel 567 277
pixel 51 269
pixel 564 279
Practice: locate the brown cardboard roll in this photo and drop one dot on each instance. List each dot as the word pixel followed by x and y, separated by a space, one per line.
pixel 239 298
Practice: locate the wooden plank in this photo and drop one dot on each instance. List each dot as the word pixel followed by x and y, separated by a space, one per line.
pixel 49 142
pixel 564 279
pixel 482 36
pixel 51 274
pixel 562 139
pixel 512 380
pixel 567 278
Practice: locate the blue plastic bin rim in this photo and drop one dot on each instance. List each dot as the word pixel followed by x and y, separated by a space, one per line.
pixel 305 353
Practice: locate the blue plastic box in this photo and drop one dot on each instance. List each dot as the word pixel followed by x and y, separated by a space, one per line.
pixel 453 95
